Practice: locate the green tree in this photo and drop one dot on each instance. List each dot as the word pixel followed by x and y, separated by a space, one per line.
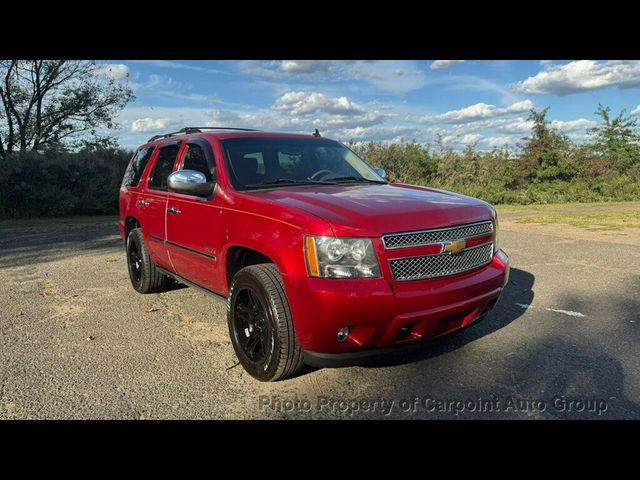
pixel 546 154
pixel 406 162
pixel 616 139
pixel 56 104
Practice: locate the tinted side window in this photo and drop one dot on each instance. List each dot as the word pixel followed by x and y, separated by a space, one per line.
pixel 163 167
pixel 136 167
pixel 195 160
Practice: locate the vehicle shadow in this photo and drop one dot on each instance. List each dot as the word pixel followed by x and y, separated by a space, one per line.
pixel 519 290
pixel 23 248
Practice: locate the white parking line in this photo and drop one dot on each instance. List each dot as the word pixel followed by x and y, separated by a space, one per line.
pixel 571 313
pixel 566 312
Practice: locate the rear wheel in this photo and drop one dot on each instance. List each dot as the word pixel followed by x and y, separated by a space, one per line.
pixel 145 276
pixel 260 324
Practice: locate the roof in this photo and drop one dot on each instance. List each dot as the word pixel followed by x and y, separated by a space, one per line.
pixel 223 134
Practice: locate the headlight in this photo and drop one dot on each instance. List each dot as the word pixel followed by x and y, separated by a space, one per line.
pixel 332 257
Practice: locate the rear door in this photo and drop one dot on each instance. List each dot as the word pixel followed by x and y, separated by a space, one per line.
pixel 153 203
pixel 131 187
pixel 193 223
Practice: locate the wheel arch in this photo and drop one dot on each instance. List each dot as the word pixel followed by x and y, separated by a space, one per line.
pixel 239 256
pixel 130 222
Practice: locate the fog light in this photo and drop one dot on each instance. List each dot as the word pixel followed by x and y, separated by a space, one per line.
pixel 343 334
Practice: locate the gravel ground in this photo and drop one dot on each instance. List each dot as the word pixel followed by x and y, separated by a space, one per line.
pixel 76 341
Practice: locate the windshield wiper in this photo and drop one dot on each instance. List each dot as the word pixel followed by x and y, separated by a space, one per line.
pixel 355 179
pixel 288 181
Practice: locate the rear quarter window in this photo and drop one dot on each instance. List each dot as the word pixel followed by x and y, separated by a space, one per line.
pixel 136 167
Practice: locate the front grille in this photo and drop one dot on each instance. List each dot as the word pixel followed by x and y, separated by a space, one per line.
pixel 427 237
pixel 441 265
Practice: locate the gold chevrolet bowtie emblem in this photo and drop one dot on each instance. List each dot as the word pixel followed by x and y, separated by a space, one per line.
pixel 453 247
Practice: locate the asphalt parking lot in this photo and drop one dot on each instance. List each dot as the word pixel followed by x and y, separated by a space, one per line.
pixel 76 341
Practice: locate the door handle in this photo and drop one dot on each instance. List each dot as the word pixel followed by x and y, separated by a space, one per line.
pixel 173 211
pixel 143 203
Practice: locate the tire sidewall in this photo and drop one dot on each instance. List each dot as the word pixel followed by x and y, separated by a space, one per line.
pixel 267 369
pixel 134 239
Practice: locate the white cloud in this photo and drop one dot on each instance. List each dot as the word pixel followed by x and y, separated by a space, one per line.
pixel 517 125
pixel 478 111
pixel 468 83
pixel 191 97
pixel 158 119
pixel 348 121
pixel 519 107
pixel 471 138
pixel 572 125
pixel 304 66
pixel 466 114
pixel 636 111
pixel 113 71
pixel 453 140
pixel 156 82
pixel 394 76
pixel 442 64
pixel 147 124
pixel 498 141
pixel 226 118
pixel 520 125
pixel 304 112
pixel 334 117
pixel 377 133
pixel 269 69
pixel 167 86
pixel 582 76
pixel 301 103
pixel 181 66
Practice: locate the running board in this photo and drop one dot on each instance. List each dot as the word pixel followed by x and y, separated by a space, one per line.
pixel 183 280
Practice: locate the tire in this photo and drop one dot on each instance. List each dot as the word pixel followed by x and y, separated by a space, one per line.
pixel 263 337
pixel 143 273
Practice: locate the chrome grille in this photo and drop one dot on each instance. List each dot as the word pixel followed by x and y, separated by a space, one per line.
pixel 427 237
pixel 440 265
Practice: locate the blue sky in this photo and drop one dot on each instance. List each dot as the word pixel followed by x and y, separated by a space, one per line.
pixel 465 102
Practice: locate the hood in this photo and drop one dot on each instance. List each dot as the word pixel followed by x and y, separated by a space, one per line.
pixel 373 210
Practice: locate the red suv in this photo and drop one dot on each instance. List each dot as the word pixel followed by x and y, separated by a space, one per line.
pixel 322 261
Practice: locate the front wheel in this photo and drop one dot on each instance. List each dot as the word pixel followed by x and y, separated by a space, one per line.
pixel 260 324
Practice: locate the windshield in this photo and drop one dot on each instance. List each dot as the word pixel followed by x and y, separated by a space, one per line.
pixel 255 163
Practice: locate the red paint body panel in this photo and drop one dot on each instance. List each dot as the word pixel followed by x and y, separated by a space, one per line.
pixel 200 262
pixel 195 244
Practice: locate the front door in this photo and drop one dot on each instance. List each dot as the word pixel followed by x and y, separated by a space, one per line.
pixel 193 223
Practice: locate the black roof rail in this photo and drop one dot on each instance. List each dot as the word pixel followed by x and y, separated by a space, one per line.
pixel 187 130
pixel 220 128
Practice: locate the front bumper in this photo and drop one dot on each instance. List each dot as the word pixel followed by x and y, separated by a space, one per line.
pixel 372 356
pixel 381 314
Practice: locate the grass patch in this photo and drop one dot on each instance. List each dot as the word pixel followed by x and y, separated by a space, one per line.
pixel 57 223
pixel 591 221
pixel 592 216
pixel 573 206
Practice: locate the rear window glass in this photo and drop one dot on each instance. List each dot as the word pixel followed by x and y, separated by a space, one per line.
pixel 136 166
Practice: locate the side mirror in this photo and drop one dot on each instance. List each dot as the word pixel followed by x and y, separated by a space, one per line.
pixel 381 172
pixel 190 182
